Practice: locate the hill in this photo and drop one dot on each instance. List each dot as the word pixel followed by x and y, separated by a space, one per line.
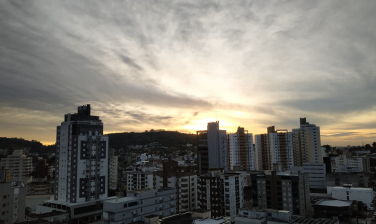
pixel 117 140
pixel 165 138
pixel 20 143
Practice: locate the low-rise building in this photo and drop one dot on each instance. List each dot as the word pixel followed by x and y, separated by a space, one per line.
pixel 39 188
pixel 355 179
pixel 365 195
pixel 344 164
pixel 222 193
pixel 140 204
pixel 181 177
pixel 316 174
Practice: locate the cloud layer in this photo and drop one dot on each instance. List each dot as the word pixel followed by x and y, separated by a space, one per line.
pixel 177 65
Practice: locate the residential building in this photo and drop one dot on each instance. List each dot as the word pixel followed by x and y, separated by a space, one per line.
pixel 281 152
pixel 81 158
pixel 20 166
pixel 316 174
pixel 275 147
pixel 355 179
pixel 12 202
pixel 344 164
pixel 222 193
pixel 241 152
pixel 140 204
pixel 38 188
pixel 346 193
pixel 112 171
pixel 282 191
pixel 211 148
pixel 262 152
pixel 309 149
pixel 181 177
pixel 135 180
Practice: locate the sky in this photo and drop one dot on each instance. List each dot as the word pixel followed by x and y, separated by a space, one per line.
pixel 176 65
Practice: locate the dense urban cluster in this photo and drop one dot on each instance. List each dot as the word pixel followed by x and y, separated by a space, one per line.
pixel 279 176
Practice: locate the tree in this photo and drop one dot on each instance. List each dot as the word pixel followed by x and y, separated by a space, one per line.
pixel 367 146
pixel 374 145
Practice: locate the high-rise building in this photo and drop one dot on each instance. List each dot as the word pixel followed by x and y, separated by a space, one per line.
pixel 112 171
pixel 275 147
pixel 262 152
pixel 281 151
pixel 20 166
pixel 81 158
pixel 309 148
pixel 211 148
pixel 282 191
pixel 241 153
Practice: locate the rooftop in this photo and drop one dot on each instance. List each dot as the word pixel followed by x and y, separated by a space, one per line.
pixel 333 203
pixel 123 199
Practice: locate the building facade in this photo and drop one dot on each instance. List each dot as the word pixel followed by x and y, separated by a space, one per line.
pixel 181 177
pixel 222 193
pixel 139 205
pixel 211 148
pixel 81 158
pixel 112 170
pixel 20 166
pixel 241 152
pixel 282 191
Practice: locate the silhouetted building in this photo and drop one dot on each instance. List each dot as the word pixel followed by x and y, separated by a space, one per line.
pixel 282 191
pixel 211 148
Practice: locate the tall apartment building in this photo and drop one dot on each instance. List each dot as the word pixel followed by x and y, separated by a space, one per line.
pixel 282 191
pixel 262 152
pixel 307 143
pixel 281 151
pixel 112 171
pixel 241 152
pixel 81 158
pixel 316 173
pixel 211 148
pixel 275 147
pixel 222 193
pixel 181 177
pixel 20 166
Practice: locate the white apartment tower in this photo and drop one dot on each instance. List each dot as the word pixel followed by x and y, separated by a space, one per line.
pixel 281 151
pixel 241 152
pixel 81 158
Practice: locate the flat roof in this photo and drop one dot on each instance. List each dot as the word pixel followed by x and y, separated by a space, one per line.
pixel 334 203
pixel 354 188
pixel 119 200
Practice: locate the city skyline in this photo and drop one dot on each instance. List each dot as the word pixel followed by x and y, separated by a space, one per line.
pixel 179 65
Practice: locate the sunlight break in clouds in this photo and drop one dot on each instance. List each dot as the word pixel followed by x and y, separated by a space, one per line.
pixel 176 65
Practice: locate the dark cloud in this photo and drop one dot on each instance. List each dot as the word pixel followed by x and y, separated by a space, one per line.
pixel 342 134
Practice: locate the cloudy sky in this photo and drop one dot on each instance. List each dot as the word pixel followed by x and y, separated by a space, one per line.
pixel 176 65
